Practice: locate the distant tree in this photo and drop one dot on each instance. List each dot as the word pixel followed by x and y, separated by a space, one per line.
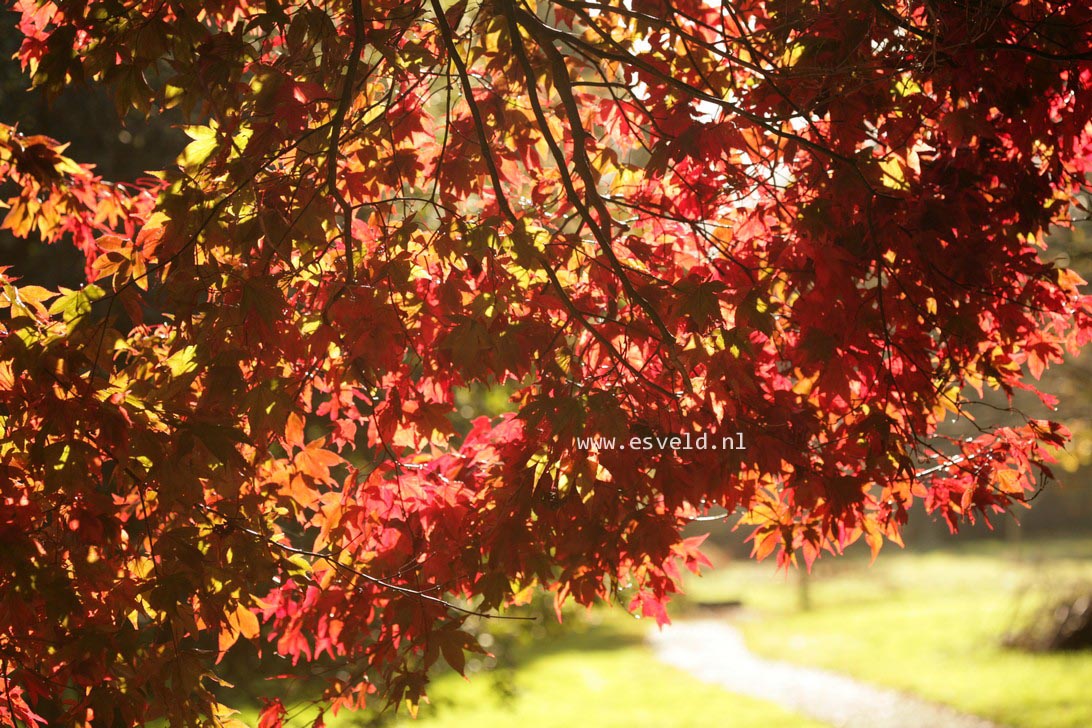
pixel 815 224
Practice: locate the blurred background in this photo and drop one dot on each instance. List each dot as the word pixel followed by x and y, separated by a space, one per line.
pixel 995 623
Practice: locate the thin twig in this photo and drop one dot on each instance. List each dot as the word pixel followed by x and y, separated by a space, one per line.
pixel 336 125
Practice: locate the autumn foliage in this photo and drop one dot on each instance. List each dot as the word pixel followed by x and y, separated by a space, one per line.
pixel 819 224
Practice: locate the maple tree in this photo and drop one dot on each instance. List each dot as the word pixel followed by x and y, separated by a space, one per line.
pixel 819 224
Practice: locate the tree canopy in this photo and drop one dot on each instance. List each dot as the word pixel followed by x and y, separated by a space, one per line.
pixel 816 224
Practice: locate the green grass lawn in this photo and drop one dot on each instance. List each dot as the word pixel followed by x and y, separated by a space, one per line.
pixel 599 675
pixel 928 623
pixel 597 671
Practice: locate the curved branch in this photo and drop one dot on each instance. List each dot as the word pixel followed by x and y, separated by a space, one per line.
pixel 335 136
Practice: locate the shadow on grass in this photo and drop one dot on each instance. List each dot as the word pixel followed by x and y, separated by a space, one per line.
pixel 579 637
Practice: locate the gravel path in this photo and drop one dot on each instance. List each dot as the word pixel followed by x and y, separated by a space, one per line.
pixel 713 651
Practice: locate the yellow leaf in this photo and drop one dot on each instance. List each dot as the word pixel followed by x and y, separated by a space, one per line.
pixel 894 175
pixel 36 294
pixel 524 596
pixel 245 621
pixel 226 639
pixel 804 385
pixel 203 144
pixel 1009 481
